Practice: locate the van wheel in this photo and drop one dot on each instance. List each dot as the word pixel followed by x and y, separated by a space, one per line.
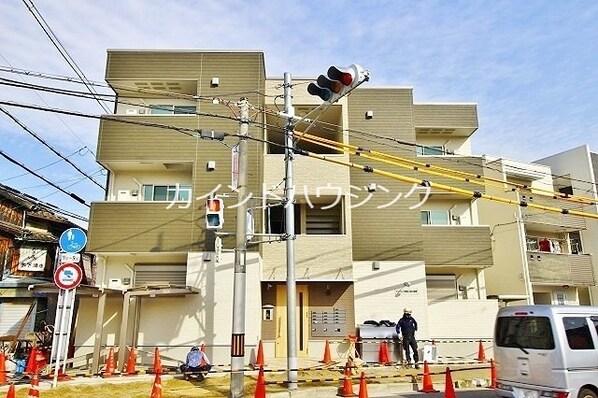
pixel 587 393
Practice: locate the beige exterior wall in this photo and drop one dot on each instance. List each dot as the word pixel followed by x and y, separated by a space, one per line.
pixel 317 257
pixel 469 246
pixel 508 275
pixel 382 293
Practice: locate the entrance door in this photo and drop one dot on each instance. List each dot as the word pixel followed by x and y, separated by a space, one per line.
pixel 302 321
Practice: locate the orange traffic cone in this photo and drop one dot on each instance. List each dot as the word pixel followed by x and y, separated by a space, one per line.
pixel 449 388
pixel 492 374
pixel 383 354
pixel 11 392
pixel 348 369
pixel 259 361
pixel 260 387
pixel 130 370
pixel 2 368
pixel 427 385
pixel 31 367
pixel 363 386
pixel 346 389
pixel 157 387
pixel 34 389
pixel 110 364
pixel 157 362
pixel 327 360
pixel 481 354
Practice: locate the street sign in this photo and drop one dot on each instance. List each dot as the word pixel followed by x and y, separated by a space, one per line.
pixel 235 167
pixel 73 240
pixel 69 258
pixel 68 276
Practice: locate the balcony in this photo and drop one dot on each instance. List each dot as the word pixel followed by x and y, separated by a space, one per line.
pixel 457 246
pixel 560 269
pixel 450 120
pixel 317 257
pixel 143 227
pixel 549 220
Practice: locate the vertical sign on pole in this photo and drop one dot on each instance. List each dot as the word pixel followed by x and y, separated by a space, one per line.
pixel 67 277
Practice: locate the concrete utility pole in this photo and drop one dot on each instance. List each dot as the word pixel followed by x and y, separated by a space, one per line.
pixel 237 351
pixel 289 202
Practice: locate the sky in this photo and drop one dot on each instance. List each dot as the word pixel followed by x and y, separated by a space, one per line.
pixel 530 66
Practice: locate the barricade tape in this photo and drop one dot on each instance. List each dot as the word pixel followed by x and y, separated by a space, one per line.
pixel 413 377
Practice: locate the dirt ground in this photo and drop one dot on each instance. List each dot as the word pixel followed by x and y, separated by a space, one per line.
pixel 218 385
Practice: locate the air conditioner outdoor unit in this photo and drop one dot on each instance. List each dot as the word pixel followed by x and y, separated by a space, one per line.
pixel 115 283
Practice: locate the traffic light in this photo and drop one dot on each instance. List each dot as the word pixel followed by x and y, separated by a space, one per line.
pixel 338 82
pixel 214 213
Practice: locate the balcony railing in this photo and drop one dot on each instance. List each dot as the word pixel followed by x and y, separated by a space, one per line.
pixel 539 216
pixel 561 269
pixel 461 246
pixel 317 257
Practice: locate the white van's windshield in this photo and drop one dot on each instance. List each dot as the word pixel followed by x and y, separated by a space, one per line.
pixel 524 332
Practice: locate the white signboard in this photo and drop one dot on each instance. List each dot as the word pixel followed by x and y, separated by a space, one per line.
pixel 32 259
pixel 235 167
pixel 70 258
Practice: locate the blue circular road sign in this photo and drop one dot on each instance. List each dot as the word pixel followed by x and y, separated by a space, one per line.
pixel 73 240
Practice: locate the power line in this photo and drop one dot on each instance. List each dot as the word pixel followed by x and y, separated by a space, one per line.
pixel 61 49
pixel 70 194
pixel 40 168
pixel 58 116
pixel 51 148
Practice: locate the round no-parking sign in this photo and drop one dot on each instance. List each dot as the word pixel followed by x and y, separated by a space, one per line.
pixel 68 276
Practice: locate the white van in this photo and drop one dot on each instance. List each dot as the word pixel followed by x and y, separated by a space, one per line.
pixel 547 351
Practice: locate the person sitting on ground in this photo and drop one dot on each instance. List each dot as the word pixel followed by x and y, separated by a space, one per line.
pixel 197 362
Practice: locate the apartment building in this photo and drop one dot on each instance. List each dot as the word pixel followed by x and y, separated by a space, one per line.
pixel 576 173
pixel 366 245
pixel 539 257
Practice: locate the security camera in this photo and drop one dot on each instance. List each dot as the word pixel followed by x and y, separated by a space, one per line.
pixel 371 187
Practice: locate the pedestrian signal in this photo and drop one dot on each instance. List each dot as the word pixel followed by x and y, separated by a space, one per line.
pixel 214 213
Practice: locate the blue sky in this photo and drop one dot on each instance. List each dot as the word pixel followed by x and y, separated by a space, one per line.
pixel 530 66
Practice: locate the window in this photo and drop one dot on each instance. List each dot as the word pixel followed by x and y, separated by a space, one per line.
pixel 434 217
pixel 172 109
pixel 422 150
pixel 170 193
pixel 578 333
pixel 524 332
pixel 441 287
pixel 320 221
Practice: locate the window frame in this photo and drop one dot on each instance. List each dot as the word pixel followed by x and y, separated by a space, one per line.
pixel 171 191
pixel 429 217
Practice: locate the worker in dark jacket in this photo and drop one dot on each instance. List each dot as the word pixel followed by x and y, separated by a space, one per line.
pixel 407 326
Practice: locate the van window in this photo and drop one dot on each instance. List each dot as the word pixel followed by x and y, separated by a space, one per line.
pixel 578 333
pixel 524 332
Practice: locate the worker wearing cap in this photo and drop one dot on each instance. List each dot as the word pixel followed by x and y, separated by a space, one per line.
pixel 407 326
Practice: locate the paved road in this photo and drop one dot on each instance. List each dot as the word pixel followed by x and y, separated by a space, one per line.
pixel 460 393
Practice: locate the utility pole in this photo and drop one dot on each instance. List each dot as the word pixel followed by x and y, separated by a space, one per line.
pixel 289 202
pixel 237 350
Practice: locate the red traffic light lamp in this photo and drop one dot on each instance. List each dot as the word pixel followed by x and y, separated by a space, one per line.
pixel 338 82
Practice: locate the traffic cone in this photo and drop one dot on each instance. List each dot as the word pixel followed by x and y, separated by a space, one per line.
pixel 34 389
pixel 427 385
pixel 259 362
pixel 481 354
pixel 260 387
pixel 492 374
pixel 110 364
pixel 31 367
pixel 449 388
pixel 130 370
pixel 383 354
pixel 347 370
pixel 157 387
pixel 157 362
pixel 346 389
pixel 2 368
pixel 363 386
pixel 11 392
pixel 327 360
